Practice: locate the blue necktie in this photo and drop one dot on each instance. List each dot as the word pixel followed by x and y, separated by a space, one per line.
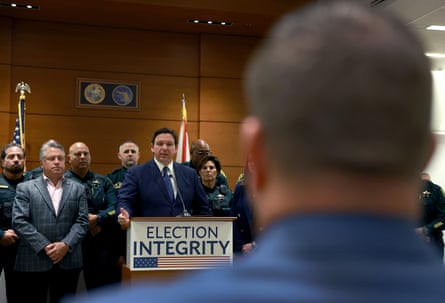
pixel 168 183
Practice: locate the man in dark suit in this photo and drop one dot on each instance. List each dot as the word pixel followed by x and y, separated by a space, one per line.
pixel 146 193
pixel 340 103
pixel 50 215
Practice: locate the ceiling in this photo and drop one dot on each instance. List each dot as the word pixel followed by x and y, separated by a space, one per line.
pixel 419 14
pixel 247 17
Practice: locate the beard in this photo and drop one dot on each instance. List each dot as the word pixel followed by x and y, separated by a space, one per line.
pixel 14 169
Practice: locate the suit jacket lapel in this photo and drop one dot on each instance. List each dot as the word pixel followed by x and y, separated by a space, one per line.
pixel 41 187
pixel 66 188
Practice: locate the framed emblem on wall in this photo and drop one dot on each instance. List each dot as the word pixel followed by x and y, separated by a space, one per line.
pixel 96 93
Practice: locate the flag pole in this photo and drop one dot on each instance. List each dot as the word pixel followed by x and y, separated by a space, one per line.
pixel 19 131
pixel 183 153
pixel 22 87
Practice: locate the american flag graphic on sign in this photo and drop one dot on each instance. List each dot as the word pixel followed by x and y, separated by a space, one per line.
pixel 181 262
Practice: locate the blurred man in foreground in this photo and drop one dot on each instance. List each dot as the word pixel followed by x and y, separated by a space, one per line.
pixel 340 101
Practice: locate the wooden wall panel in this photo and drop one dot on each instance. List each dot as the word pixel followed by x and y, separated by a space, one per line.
pixel 5 74
pixel 222 100
pixel 5 89
pixel 51 56
pixel 5 38
pixel 222 106
pixel 225 56
pixel 223 139
pixel 102 135
pixel 232 174
pixel 76 47
pixel 54 92
pixel 5 133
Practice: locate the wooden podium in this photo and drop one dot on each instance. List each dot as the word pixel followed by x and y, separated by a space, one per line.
pixel 164 248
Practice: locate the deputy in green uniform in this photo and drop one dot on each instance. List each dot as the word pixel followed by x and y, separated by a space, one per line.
pixel 198 150
pixel 219 196
pixel 101 244
pixel 129 155
pixel 432 223
pixel 13 163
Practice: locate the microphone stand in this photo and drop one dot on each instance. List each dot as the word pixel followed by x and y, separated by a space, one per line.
pixel 185 212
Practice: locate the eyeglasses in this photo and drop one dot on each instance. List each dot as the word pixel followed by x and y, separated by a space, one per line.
pixel 203 152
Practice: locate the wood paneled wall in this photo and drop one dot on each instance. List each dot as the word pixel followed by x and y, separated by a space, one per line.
pixel 51 56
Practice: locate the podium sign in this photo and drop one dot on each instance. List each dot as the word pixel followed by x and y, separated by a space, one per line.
pixel 172 243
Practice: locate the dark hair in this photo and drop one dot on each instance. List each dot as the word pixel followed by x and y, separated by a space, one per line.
pixel 165 130
pixel 341 86
pixel 12 144
pixel 213 159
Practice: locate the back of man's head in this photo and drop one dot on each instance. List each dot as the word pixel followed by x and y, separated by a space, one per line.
pixel 342 87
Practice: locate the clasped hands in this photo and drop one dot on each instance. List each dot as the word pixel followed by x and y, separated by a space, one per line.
pixel 56 251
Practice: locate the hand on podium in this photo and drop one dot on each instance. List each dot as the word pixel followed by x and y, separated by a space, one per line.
pixel 123 218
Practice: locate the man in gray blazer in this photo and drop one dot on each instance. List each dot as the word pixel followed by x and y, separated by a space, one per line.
pixel 50 215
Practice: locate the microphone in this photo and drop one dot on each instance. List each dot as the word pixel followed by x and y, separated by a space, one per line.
pixel 185 212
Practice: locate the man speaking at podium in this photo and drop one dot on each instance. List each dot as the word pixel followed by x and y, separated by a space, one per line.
pixel 340 103
pixel 161 187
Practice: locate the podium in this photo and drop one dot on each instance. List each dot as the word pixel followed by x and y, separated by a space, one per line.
pixel 164 248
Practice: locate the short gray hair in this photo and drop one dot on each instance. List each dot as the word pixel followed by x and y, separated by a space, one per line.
pixel 50 144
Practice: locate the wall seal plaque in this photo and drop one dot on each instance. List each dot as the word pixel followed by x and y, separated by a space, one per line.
pixel 108 94
pixel 94 93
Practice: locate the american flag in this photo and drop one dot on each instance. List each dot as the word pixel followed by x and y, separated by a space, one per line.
pixel 19 131
pixel 181 262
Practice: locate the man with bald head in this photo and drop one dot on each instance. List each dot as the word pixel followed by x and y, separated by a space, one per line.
pixel 128 154
pixel 101 244
pixel 198 150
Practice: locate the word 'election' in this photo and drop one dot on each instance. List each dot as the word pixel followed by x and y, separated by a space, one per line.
pixel 181 240
pixel 182 232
